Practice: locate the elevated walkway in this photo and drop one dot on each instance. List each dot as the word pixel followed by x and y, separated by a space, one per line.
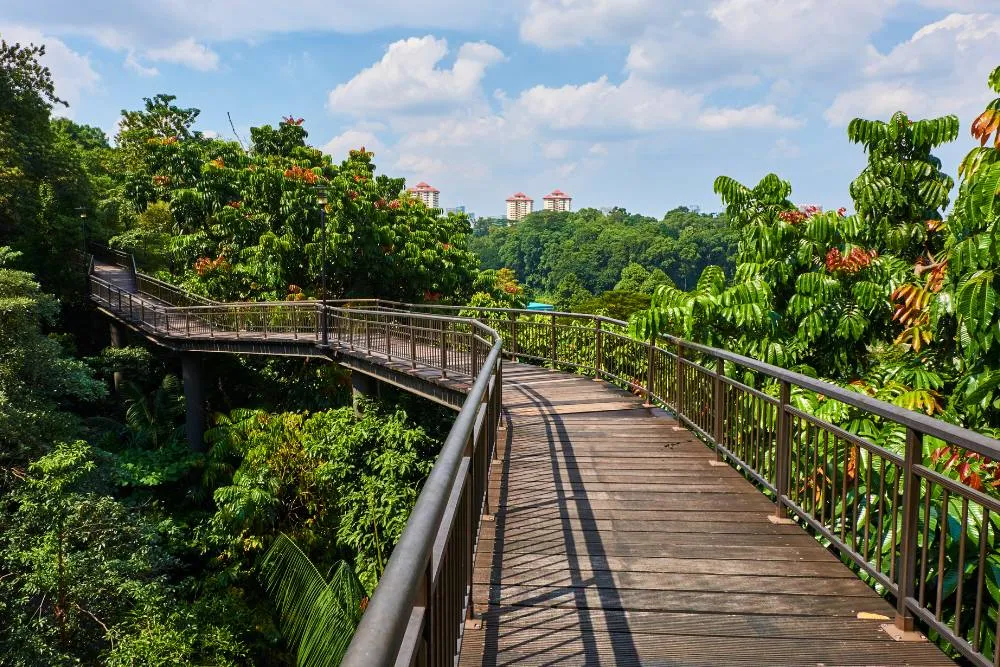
pixel 595 528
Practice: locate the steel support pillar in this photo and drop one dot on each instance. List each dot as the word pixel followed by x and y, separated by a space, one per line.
pixel 362 387
pixel 117 340
pixel 194 400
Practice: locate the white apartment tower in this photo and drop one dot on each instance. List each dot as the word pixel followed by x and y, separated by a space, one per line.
pixel 519 205
pixel 425 193
pixel 557 200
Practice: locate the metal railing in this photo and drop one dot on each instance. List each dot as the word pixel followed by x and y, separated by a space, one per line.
pixel 873 490
pixel 874 486
pixel 424 596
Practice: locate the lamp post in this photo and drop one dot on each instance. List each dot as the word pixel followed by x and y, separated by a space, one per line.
pixel 321 199
pixel 83 227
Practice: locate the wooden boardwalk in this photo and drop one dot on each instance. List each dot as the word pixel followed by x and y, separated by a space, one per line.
pixel 616 542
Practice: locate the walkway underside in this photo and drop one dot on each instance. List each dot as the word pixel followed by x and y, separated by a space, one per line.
pixel 616 542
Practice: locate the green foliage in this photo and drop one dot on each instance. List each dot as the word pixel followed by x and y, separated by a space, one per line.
pixel 85 576
pixel 240 225
pixel 546 247
pixel 327 479
pixel 41 180
pixel 318 613
pixel 498 289
pixel 569 293
pixel 39 382
pixel 902 187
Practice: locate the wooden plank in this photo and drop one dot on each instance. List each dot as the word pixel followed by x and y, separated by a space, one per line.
pixel 529 646
pixel 614 541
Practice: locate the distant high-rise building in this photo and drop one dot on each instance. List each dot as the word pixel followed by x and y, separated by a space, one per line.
pixel 519 205
pixel 557 200
pixel 427 194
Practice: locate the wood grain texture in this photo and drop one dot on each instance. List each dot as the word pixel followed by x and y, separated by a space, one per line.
pixel 616 543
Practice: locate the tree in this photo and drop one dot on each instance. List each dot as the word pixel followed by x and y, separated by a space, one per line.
pixel 546 246
pixel 569 293
pixel 633 277
pixel 39 382
pixel 319 614
pixel 41 183
pixel 160 118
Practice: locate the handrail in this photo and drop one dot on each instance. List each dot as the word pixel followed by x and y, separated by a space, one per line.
pixel 878 498
pixel 426 590
pixel 873 493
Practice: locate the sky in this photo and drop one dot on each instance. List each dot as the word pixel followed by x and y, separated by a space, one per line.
pixel 632 103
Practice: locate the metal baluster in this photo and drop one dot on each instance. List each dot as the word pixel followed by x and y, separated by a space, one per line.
pixel 783 452
pixel 906 582
pixel 444 352
pixel 598 350
pixel 413 344
pixel 718 390
pixel 555 351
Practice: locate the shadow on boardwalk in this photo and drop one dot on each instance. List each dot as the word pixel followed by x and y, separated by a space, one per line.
pixel 616 543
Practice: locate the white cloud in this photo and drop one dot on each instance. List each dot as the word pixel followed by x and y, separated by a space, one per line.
pixel 186 52
pixel 123 24
pixel 72 72
pixel 556 150
pixel 634 106
pixel 754 116
pixel 408 78
pixel 598 149
pixel 132 63
pixel 950 57
pixel 783 148
pixel 352 139
pixel 420 165
pixel 561 23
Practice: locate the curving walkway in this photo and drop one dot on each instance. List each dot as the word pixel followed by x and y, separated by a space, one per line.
pixel 615 540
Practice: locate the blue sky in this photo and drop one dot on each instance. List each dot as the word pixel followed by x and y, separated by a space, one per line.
pixel 634 103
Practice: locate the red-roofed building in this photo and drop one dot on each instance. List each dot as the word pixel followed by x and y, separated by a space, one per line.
pixel 557 200
pixel 425 193
pixel 519 205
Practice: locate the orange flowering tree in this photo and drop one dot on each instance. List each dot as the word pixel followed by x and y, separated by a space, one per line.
pixel 246 223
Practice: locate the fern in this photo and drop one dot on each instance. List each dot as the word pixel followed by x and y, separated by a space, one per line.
pixel 318 614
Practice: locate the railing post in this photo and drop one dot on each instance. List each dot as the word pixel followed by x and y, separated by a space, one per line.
pixel 719 395
pixel 263 321
pixel 368 335
pixel 555 351
pixel 783 452
pixel 598 349
pixel 473 352
pixel 513 334
pixel 650 366
pixel 388 339
pixel 187 322
pixel 906 572
pixel 413 344
pixel 444 351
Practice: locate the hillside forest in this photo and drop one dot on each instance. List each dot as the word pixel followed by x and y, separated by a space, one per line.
pixel 123 544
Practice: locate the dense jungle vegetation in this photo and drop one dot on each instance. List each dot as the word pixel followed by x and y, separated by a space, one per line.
pixel 123 544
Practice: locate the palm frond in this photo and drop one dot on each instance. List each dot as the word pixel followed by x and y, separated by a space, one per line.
pixel 318 617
